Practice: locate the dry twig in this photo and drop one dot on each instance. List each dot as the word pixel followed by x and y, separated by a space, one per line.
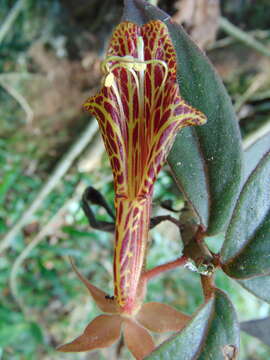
pixel 242 36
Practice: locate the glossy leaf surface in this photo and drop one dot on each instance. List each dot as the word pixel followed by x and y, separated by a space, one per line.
pixel 258 286
pixel 259 328
pixel 206 161
pixel 254 152
pixel 246 249
pixel 213 332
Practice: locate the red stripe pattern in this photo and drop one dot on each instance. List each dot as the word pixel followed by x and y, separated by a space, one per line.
pixel 139 110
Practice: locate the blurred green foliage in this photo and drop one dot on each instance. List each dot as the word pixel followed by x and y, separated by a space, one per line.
pixel 56 306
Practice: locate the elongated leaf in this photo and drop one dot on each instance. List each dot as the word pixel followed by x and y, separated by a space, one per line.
pixel 254 152
pixel 207 160
pixel 212 333
pixel 186 158
pixel 260 328
pixel 222 337
pixel 245 252
pixel 258 286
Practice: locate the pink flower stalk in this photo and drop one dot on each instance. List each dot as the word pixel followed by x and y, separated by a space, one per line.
pixel 140 111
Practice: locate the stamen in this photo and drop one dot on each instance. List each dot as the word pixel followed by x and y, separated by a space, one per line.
pixel 130 63
pixel 162 63
pixel 140 90
pixel 140 48
pixel 129 68
pixel 139 66
pixel 109 80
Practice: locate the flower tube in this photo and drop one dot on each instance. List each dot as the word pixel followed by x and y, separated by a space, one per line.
pixel 140 111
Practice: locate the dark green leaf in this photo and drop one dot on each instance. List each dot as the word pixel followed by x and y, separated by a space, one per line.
pixel 258 286
pixel 260 328
pixel 254 152
pixel 185 158
pixel 213 332
pixel 223 331
pixel 210 175
pixel 245 252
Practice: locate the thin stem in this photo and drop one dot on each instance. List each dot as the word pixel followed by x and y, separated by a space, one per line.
pixel 158 219
pixel 242 36
pixel 149 274
pixel 20 99
pixel 258 82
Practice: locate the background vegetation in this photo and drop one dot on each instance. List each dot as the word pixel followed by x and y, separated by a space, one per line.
pixel 49 64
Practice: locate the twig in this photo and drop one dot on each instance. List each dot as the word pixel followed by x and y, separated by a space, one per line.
pixel 21 100
pixel 256 84
pixel 261 96
pixel 60 170
pixel 218 44
pixel 256 135
pixel 7 24
pixel 55 222
pixel 242 36
pixel 261 34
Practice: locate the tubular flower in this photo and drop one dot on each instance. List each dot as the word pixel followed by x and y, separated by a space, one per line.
pixel 140 111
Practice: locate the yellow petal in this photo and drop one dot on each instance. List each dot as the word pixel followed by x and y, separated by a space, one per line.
pixel 161 318
pixel 105 305
pixel 103 331
pixel 139 342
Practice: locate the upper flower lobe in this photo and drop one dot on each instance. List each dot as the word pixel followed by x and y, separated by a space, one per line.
pixel 139 108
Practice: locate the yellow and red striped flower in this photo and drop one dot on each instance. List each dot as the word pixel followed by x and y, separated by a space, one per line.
pixel 140 111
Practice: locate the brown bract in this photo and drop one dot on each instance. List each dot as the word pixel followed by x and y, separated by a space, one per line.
pixel 106 329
